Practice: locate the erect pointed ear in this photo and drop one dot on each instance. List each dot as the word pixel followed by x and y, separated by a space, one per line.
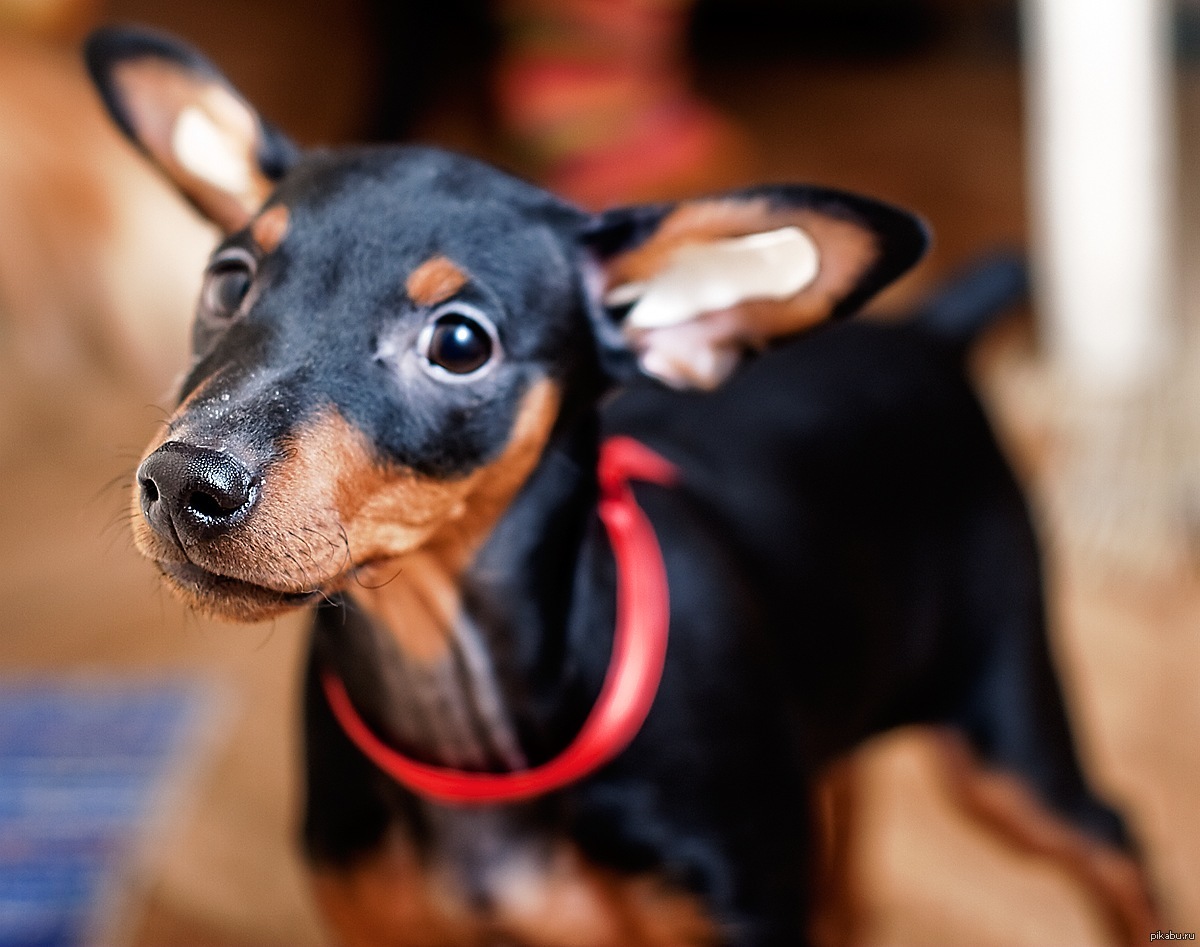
pixel 181 112
pixel 691 288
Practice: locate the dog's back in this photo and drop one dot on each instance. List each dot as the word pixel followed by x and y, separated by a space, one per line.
pixel 855 471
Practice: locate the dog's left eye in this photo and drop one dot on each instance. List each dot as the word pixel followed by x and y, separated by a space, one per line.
pixel 226 285
pixel 459 341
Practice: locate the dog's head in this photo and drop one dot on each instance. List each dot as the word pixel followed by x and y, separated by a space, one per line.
pixel 386 337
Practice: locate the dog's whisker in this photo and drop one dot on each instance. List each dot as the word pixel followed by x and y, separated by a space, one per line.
pixel 374 588
pixel 123 480
pixel 301 578
pixel 307 551
pixel 348 562
pixel 267 637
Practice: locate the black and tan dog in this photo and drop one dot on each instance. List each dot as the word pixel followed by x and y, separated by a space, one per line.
pixel 420 389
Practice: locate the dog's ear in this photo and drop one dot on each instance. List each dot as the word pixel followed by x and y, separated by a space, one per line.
pixel 690 288
pixel 177 108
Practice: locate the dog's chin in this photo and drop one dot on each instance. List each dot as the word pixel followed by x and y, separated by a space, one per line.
pixel 230 599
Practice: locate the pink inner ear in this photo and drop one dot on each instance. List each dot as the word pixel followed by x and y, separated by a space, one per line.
pixel 846 249
pixel 699 354
pixel 720 278
pixel 203 136
pixel 721 274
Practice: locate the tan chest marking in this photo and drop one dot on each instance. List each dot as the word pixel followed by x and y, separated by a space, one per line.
pixel 440 694
pixel 560 901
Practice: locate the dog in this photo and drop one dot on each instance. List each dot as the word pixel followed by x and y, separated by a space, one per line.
pixel 615 533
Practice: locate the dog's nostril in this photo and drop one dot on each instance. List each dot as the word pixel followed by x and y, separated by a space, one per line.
pixel 214 507
pixel 149 490
pixel 216 488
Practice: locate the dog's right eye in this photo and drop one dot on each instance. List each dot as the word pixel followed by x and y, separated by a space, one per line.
pixel 226 286
pixel 458 344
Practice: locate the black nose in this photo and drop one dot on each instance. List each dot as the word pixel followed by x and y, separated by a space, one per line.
pixel 192 492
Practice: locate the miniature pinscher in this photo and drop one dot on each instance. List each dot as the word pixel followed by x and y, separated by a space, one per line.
pixel 613 531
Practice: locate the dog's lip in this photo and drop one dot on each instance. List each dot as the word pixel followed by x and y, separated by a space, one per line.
pixel 190 574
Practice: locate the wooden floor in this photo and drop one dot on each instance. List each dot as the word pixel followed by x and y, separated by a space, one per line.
pixel 940 133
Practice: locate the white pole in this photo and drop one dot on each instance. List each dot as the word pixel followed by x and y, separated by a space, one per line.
pixel 1101 135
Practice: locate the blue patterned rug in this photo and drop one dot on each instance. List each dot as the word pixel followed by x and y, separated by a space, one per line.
pixel 87 767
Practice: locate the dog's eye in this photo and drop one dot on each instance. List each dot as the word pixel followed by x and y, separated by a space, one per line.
pixel 226 286
pixel 459 342
pixel 459 345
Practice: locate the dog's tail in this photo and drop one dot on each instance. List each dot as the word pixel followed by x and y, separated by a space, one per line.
pixel 975 297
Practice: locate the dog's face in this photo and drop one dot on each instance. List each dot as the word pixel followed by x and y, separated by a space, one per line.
pixel 386 337
pixel 365 379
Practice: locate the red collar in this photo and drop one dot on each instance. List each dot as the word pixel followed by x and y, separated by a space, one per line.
pixel 639 650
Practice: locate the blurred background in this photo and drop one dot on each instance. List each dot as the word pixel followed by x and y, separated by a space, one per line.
pixel 148 758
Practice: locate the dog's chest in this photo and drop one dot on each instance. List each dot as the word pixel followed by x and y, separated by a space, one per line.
pixel 480 877
pixel 433 680
pixel 486 879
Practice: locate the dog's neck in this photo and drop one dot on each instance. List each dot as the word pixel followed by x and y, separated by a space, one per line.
pixel 462 664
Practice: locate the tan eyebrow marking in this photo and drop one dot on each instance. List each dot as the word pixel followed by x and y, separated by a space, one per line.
pixel 434 281
pixel 270 227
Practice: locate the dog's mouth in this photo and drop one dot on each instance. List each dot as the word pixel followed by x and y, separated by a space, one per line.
pixel 227 597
